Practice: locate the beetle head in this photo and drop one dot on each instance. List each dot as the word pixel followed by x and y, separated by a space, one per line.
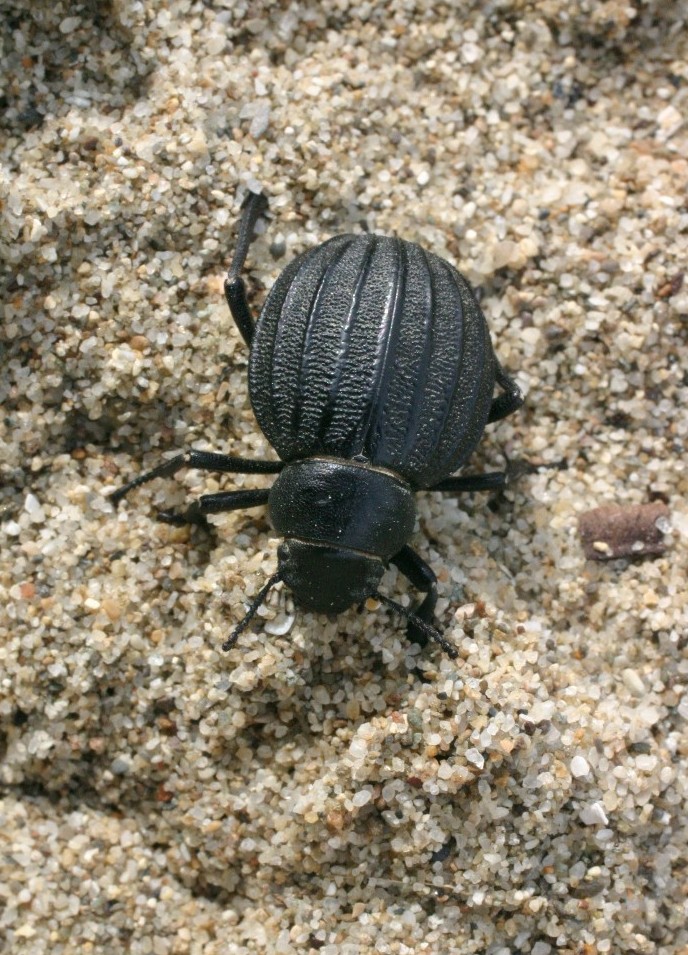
pixel 327 579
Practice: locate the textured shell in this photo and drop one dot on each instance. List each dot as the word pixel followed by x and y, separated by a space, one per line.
pixel 371 346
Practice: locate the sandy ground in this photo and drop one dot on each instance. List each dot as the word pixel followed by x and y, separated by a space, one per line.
pixel 326 787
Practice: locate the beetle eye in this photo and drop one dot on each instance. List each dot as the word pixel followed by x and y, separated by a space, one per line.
pixel 283 552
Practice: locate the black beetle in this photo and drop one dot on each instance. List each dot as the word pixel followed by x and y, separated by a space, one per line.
pixel 372 375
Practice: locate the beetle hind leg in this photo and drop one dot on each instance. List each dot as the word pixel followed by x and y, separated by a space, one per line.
pixel 253 207
pixel 508 402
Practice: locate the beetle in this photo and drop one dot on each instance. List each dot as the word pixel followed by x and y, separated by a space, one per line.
pixel 372 375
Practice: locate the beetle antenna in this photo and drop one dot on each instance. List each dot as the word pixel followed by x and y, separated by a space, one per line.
pixel 418 622
pixel 251 612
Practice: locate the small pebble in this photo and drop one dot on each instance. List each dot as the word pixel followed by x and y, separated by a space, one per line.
pixel 593 815
pixel 69 24
pixel 120 766
pixel 614 531
pixel 579 766
pixel 633 682
pixel 34 509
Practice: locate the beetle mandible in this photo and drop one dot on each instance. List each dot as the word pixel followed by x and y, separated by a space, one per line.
pixel 372 375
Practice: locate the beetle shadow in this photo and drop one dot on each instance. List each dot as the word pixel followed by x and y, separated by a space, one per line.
pixel 606 41
pixel 95 60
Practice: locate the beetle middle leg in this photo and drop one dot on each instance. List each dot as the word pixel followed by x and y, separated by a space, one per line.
pixel 253 207
pixel 203 461
pixel 510 401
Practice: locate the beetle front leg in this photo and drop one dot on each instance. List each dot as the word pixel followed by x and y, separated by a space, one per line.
pixel 253 207
pixel 203 461
pixel 510 401
pixel 215 504
pixel 421 576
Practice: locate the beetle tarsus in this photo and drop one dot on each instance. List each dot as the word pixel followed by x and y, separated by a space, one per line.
pixel 253 207
pixel 192 515
pixel 166 469
pixel 218 503
pixel 420 626
pixel 423 577
pixel 505 404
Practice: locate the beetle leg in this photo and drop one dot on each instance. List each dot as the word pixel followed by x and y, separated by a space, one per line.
pixel 253 207
pixel 203 461
pixel 422 576
pixel 235 293
pixel 510 401
pixel 215 504
pixel 493 481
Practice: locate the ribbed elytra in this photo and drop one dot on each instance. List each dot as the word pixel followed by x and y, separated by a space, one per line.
pixel 372 375
pixel 371 347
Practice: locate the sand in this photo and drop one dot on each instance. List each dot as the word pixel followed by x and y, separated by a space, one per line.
pixel 328 787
